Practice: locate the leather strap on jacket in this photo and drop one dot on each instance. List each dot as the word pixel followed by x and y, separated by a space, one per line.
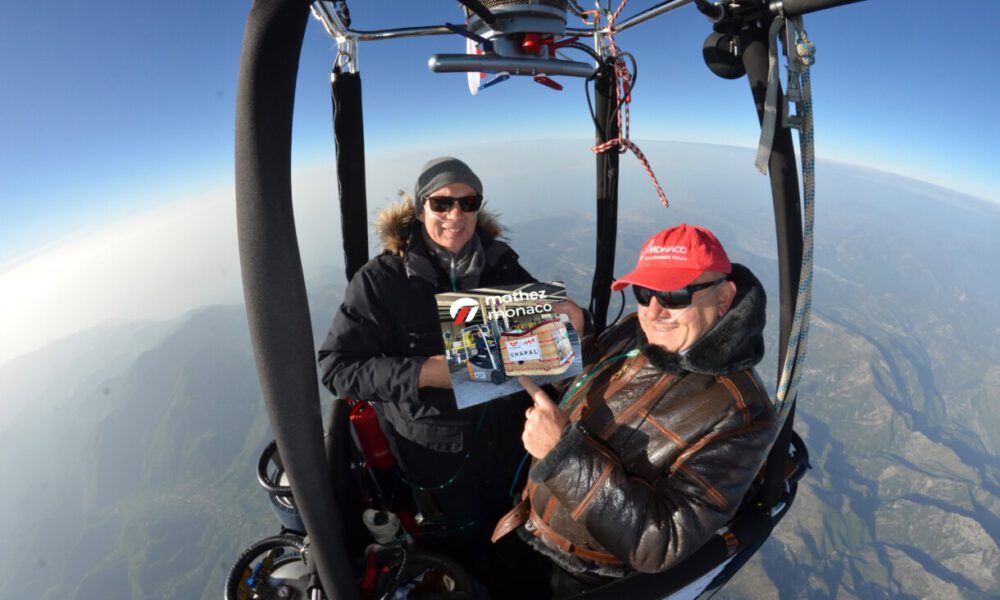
pixel 514 518
pixel 522 513
pixel 548 534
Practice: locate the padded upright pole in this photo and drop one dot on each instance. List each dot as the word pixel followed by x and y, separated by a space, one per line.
pixel 606 110
pixel 783 172
pixel 349 135
pixel 273 284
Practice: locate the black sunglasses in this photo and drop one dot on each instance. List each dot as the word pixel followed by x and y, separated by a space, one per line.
pixel 444 203
pixel 675 299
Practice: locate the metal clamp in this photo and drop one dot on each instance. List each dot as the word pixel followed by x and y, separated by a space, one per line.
pixel 347 44
pixel 800 55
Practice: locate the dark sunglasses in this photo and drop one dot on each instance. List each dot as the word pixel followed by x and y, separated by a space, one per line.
pixel 674 299
pixel 444 203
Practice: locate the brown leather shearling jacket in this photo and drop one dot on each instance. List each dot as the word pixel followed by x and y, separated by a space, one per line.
pixel 662 446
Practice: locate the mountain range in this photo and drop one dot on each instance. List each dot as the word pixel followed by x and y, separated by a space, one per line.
pixel 132 446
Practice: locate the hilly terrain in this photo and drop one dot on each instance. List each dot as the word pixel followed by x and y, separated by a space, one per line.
pixel 140 484
pixel 132 446
pixel 898 404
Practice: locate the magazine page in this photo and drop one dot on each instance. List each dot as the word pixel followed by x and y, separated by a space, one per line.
pixel 494 335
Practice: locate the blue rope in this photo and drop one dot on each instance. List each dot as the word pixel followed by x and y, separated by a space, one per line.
pixel 517 475
pixel 795 351
pixel 591 372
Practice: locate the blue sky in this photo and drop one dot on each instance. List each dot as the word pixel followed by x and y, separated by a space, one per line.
pixel 110 109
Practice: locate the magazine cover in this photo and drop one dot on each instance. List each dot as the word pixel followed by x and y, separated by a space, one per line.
pixel 494 335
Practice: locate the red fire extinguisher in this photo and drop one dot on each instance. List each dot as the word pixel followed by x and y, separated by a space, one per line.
pixel 369 435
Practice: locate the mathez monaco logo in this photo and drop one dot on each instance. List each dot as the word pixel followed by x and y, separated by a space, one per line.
pixel 463 310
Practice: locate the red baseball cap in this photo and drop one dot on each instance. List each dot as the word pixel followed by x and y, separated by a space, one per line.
pixel 675 257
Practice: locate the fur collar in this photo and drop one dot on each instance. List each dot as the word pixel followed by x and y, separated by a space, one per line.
pixel 394 225
pixel 736 342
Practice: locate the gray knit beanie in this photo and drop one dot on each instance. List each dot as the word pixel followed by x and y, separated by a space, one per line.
pixel 440 172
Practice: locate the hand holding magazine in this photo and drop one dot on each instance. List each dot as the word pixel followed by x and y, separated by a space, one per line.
pixel 493 335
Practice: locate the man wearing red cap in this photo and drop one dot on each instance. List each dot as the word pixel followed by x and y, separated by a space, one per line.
pixel 651 450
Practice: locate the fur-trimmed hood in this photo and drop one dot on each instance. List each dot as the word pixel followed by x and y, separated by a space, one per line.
pixel 736 342
pixel 394 225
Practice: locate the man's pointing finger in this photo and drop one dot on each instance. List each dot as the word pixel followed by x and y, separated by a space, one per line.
pixel 529 385
pixel 537 394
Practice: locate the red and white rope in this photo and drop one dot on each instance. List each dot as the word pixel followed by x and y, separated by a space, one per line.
pixel 623 99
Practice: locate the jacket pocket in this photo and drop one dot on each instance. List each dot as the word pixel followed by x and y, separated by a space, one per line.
pixel 423 424
pixel 439 437
pixel 422 343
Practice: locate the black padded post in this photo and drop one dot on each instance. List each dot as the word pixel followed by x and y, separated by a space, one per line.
pixel 273 284
pixel 349 135
pixel 783 172
pixel 606 111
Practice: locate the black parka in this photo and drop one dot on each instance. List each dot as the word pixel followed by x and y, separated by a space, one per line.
pixel 662 449
pixel 381 335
